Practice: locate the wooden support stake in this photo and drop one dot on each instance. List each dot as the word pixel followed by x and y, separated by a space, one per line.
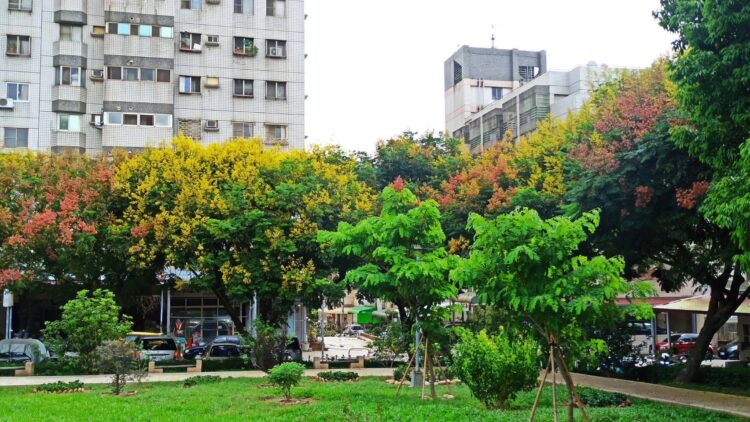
pixel 539 392
pixel 554 383
pixel 426 358
pixel 569 380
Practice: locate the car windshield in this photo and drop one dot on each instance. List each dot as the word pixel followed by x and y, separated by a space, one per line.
pixel 14 350
pixel 158 344
pixel 675 337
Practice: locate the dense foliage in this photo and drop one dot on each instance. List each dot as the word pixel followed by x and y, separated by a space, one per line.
pixel 286 376
pixel 496 368
pixel 338 375
pixel 59 387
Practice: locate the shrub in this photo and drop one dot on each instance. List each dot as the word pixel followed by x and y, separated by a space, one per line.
pixel 398 373
pixel 495 368
pixel 67 365
pixel 286 376
pixel 268 346
pixel 58 387
pixel 201 379
pixel 86 322
pixel 597 398
pixel 118 357
pixel 338 376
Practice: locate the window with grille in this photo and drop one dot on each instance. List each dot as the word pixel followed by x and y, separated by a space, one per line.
pixel 276 90
pixel 16 138
pixel 242 130
pixel 24 5
pixel 243 88
pixel 18 45
pixel 276 48
pixel 276 8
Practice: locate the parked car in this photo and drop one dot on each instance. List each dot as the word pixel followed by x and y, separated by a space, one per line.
pixel 131 336
pixel 157 348
pixel 681 343
pixel 200 349
pixel 21 350
pixel 353 330
pixel 225 351
pixel 730 351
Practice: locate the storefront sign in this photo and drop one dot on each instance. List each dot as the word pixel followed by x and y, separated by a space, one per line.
pixel 7 299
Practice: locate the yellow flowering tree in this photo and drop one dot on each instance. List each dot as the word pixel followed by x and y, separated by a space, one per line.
pixel 240 218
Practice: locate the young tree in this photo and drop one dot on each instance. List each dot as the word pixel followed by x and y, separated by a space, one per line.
pixel 532 267
pixel 286 376
pixel 117 357
pixel 86 322
pixel 712 72
pixel 241 218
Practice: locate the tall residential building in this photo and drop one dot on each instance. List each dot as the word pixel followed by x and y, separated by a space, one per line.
pixel 475 77
pixel 88 76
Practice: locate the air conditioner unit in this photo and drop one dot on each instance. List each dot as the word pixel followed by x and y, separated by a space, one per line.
pixel 276 52
pixel 6 103
pixel 211 125
pixel 97 75
pixel 96 121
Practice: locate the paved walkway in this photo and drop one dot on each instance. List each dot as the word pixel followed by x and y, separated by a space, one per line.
pixel 727 403
pixel 179 376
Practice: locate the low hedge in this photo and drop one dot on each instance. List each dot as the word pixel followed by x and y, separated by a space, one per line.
pixel 201 379
pixel 737 377
pixel 338 376
pixel 59 387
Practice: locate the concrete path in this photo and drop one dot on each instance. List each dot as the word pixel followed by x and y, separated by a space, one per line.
pixel 726 403
pixel 179 376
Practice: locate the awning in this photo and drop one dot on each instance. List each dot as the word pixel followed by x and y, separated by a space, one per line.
pixel 385 314
pixel 337 311
pixel 363 314
pixel 698 305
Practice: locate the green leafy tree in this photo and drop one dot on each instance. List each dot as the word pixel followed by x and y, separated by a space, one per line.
pixel 87 321
pixel 712 72
pixel 117 357
pixel 286 376
pixel 495 368
pixel 532 267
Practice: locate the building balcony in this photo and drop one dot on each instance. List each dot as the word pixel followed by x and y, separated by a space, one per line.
pixel 70 11
pixel 128 137
pixel 135 46
pixel 61 138
pixel 68 93
pixel 70 48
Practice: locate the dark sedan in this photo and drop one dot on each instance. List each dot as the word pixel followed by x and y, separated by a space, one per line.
pixel 193 352
pixel 730 351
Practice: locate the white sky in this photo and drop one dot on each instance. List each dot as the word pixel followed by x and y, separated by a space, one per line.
pixel 375 67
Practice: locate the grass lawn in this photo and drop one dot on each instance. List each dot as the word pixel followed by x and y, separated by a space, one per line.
pixel 241 399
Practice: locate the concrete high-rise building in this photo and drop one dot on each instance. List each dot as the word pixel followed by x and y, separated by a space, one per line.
pixel 475 77
pixel 89 76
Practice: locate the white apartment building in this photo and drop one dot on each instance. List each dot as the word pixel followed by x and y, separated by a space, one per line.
pixel 85 76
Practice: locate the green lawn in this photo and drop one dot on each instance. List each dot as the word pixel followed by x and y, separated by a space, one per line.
pixel 241 399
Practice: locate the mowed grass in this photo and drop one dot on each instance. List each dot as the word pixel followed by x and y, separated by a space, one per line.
pixel 240 399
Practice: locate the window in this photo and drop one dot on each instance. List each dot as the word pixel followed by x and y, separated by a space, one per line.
pixel 24 5
pixel 190 42
pixel 123 29
pixel 276 90
pixel 458 73
pixel 244 46
pixel 163 75
pixel 163 120
pixel 111 28
pixel 243 88
pixel 190 4
pixel 276 48
pixel 68 76
pixel 70 122
pixel 276 8
pixel 70 33
pixel 165 32
pixel 113 118
pixel 18 92
pixel 130 73
pixel 16 138
pixel 148 74
pixel 212 40
pixel 528 73
pixel 145 30
pixel 97 31
pixel 134 29
pixel 243 6
pixel 146 120
pixel 275 132
pixel 497 93
pixel 242 130
pixel 130 119
pixel 114 72
pixel 18 45
pixel 190 84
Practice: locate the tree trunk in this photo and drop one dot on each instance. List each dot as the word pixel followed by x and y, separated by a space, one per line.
pixel 572 396
pixel 227 304
pixel 432 374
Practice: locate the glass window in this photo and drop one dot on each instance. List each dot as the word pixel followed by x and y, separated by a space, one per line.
pixel 275 132
pixel 190 4
pixel 123 29
pixel 130 73
pixel 18 92
pixel 243 6
pixel 243 87
pixel 190 42
pixel 165 32
pixel 130 119
pixel 244 46
pixel 242 130
pixel 19 5
pixel 114 72
pixel 276 48
pixel 190 84
pixel 18 45
pixel 163 120
pixel 70 76
pixel 163 75
pixel 113 118
pixel 134 29
pixel 276 90
pixel 16 138
pixel 146 120
pixel 276 8
pixel 70 122
pixel 145 30
pixel 70 33
pixel 147 74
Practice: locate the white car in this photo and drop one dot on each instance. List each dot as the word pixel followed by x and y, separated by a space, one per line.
pixel 157 348
pixel 353 330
